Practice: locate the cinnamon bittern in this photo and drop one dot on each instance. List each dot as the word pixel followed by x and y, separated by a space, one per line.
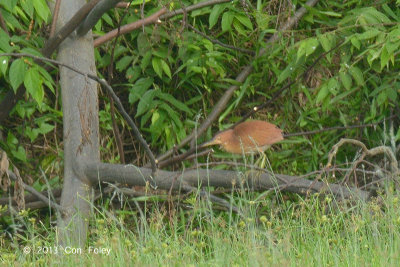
pixel 247 137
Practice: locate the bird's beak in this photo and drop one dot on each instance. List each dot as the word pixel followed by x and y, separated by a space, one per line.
pixel 210 143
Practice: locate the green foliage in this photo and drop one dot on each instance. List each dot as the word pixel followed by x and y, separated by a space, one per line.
pixel 32 117
pixel 168 76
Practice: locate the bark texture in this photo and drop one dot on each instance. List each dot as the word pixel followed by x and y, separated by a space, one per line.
pixel 80 120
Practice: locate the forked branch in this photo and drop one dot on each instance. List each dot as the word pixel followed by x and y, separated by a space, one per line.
pixel 365 152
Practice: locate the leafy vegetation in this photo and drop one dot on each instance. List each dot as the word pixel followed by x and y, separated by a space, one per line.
pixel 170 77
pixel 311 232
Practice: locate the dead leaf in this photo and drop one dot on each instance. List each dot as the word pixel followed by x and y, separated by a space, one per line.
pixel 4 165
pixel 19 190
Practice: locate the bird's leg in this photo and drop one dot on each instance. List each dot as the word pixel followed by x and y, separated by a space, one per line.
pixel 261 161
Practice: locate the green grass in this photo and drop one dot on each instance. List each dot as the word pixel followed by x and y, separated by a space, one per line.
pixel 273 232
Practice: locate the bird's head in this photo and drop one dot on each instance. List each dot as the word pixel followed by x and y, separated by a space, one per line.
pixel 222 139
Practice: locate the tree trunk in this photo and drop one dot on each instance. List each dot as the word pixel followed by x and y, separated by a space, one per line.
pixel 80 119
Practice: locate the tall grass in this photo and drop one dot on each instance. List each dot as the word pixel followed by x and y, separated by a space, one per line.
pixel 274 231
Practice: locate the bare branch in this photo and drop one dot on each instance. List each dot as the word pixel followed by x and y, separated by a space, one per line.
pixel 34 205
pixel 365 152
pixel 129 27
pixel 37 194
pixel 254 180
pixel 160 15
pixel 30 198
pixel 55 17
pixel 123 5
pixel 180 11
pixel 68 28
pixel 94 15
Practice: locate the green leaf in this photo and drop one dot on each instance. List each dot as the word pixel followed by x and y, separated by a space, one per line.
pixel 333 85
pixel 33 84
pixel 19 154
pixel 143 43
pixel 392 94
pixel 145 101
pixel 382 97
pixel 31 133
pixel 368 34
pixel 28 8
pixel 302 49
pixel 12 22
pixel 245 21
pixel 108 20
pixel 355 42
pixel 311 46
pixel 157 67
pixel 331 13
pixel 176 103
pixel 9 5
pixel 133 73
pixel 239 28
pixel 392 46
pixel 17 73
pixel 156 128
pixel 123 63
pixel 346 80
pixel 11 139
pixel 322 94
pixel 4 64
pixel 214 15
pixel 29 50
pixel 357 75
pixel 262 20
pixel 138 2
pixel 390 12
pixel 378 16
pixel 287 72
pixel 343 95
pixel 226 22
pixel 146 60
pixel 325 42
pixel 4 42
pixel 165 68
pixel 47 79
pixel 172 114
pixel 161 52
pixel 385 56
pixel 155 117
pixel 146 116
pixel 139 88
pixel 42 9
pixel 44 128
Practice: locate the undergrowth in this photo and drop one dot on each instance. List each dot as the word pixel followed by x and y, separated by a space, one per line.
pixel 273 231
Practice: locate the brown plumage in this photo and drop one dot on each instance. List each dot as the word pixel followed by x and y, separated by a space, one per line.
pixel 248 137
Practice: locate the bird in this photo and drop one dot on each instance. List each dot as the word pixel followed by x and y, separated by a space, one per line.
pixel 247 137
